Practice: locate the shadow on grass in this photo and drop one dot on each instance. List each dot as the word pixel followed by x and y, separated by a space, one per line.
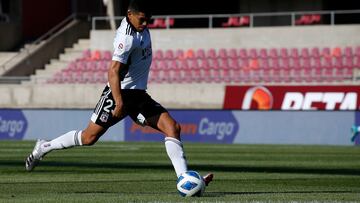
pixel 52 166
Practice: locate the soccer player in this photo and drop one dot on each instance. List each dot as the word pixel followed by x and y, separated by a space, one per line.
pixel 355 133
pixel 125 95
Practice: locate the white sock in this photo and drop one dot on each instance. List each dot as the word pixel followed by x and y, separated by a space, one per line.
pixel 174 149
pixel 67 140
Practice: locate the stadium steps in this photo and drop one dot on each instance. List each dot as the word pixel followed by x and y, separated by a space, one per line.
pixel 6 56
pixel 55 65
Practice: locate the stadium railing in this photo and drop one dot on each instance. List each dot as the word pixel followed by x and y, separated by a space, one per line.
pixel 254 19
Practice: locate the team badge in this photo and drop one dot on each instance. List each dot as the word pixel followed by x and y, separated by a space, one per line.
pixel 120 46
pixel 104 117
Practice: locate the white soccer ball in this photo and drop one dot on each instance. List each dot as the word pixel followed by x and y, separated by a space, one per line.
pixel 190 184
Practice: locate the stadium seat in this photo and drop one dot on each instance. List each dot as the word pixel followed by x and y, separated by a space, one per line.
pixel 325 52
pixel 223 53
pixel 348 52
pixel 308 19
pixel 284 53
pixel 243 53
pixel 233 63
pixel 158 23
pixel 204 64
pixel 294 53
pixel 244 21
pixel 107 55
pixel 189 54
pixel 305 53
pixel 232 21
pixel 163 65
pixel 96 55
pixel 211 53
pixel 183 64
pixel 357 51
pixel 253 53
pixel 172 64
pixel 86 54
pixel 303 20
pixel 169 54
pixel 200 54
pixel 315 52
pixel 273 53
pixel 158 55
pixel 232 53
pixel 179 54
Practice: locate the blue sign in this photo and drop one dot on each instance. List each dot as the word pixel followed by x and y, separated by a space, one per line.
pixel 13 125
pixel 196 126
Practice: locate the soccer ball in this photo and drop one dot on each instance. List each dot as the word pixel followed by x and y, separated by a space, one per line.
pixel 190 184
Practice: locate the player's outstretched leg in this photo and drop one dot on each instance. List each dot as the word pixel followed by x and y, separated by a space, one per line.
pixel 35 156
pixel 208 178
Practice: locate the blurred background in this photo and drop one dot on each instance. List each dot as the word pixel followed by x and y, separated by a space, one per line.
pixel 263 71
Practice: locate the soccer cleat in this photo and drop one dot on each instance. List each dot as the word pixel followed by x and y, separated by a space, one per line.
pixel 354 132
pixel 208 178
pixel 36 155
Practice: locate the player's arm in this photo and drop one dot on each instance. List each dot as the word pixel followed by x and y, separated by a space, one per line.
pixel 115 86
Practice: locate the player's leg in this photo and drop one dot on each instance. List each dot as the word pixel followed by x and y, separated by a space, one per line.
pixel 70 139
pixel 174 147
pixel 101 120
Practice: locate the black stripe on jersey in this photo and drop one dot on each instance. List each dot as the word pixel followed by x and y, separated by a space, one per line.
pixel 129 29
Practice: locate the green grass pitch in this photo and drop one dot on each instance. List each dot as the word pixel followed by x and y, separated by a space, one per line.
pixel 141 172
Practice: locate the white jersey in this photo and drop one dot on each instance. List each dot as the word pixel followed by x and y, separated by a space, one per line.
pixel 133 49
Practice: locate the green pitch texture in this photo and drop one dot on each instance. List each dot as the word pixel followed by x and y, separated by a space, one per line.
pixel 141 172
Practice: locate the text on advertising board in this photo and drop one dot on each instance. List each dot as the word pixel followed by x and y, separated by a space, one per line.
pixel 292 97
pixel 196 126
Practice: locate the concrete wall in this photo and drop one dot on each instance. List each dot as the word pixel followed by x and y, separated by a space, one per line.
pixel 86 96
pixel 258 37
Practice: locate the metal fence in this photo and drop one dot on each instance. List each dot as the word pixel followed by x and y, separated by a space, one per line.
pixel 256 19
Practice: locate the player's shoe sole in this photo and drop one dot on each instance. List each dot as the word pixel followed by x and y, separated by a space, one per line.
pixel 208 178
pixel 34 158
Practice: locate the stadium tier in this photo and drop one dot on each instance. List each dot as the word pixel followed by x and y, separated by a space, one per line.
pixel 274 65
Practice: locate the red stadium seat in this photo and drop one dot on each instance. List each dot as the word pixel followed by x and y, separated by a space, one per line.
pixel 284 53
pixel 244 21
pixel 305 53
pixel 348 52
pixel 243 53
pixel 253 53
pixel 211 53
pixel 158 23
pixel 232 54
pixel 158 55
pixel 232 21
pixel 273 53
pixel 315 52
pixel 223 53
pixel 169 54
pixel 200 54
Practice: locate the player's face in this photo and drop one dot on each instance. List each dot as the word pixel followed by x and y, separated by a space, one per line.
pixel 139 20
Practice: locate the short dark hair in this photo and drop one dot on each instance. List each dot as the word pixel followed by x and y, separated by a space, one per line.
pixel 143 6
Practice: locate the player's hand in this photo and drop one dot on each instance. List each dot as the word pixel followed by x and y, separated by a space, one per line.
pixel 118 111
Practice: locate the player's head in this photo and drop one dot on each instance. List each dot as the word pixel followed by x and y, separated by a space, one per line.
pixel 139 13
